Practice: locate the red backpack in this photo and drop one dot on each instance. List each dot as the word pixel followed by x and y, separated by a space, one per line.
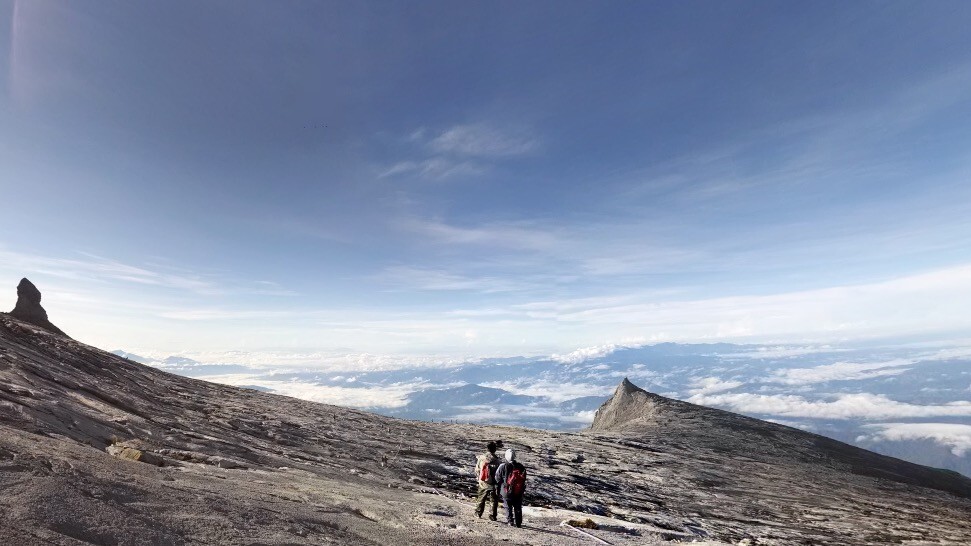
pixel 516 482
pixel 488 472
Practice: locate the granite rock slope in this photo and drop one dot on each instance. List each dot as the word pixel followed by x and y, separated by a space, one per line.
pixel 636 412
pixel 101 450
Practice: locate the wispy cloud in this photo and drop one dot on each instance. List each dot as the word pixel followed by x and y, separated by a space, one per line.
pixel 519 414
pixel 215 314
pixel 96 268
pixel 260 361
pixel 426 279
pixel 436 167
pixel 101 271
pixel 701 386
pixel 460 150
pixel 847 406
pixel 392 396
pixel 782 351
pixel 482 139
pixel 813 149
pixel 554 391
pixel 924 303
pixel 856 371
pixel 841 371
pixel 890 306
pixel 522 235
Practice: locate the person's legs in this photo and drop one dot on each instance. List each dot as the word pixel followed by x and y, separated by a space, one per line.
pixel 480 500
pixel 518 508
pixel 495 504
pixel 508 500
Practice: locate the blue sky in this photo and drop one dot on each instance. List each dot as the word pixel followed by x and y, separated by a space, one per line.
pixel 482 179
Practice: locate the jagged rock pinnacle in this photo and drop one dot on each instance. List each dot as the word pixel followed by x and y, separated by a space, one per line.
pixel 626 387
pixel 630 405
pixel 28 308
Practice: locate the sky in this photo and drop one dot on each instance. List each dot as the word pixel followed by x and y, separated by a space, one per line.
pixel 480 179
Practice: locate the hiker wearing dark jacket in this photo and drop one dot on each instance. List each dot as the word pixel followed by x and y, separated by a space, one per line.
pixel 511 476
pixel 485 467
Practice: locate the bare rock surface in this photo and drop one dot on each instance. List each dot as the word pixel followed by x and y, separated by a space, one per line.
pixel 29 309
pixel 239 466
pixel 634 412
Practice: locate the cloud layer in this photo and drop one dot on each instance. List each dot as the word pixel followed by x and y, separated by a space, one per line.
pixel 864 406
pixel 955 436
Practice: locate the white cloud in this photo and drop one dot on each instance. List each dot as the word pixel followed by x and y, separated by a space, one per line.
pixel 517 414
pixel 709 385
pixel 427 279
pixel 587 353
pixel 853 371
pixel 955 436
pixel 402 167
pixel 793 424
pixel 482 139
pixel 435 167
pixel 311 361
pixel 840 371
pixel 554 391
pixel 461 150
pixel 930 302
pixel 782 351
pixel 214 314
pixel 846 406
pixel 95 268
pixel 951 353
pixel 390 396
pixel 513 235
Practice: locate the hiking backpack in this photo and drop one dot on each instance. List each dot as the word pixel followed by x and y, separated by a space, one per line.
pixel 488 472
pixel 516 482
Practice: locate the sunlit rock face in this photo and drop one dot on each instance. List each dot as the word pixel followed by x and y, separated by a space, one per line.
pixel 629 407
pixel 29 309
pixel 661 422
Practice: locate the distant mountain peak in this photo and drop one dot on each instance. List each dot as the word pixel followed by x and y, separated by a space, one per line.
pixel 29 309
pixel 627 388
pixel 629 406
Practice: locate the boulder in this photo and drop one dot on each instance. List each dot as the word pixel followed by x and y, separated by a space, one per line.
pixel 132 454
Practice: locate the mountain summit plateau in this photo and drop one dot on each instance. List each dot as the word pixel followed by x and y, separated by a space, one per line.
pixel 97 449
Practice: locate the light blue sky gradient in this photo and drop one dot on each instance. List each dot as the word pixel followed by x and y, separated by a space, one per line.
pixel 491 178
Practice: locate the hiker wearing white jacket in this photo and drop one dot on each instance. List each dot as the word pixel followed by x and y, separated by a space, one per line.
pixel 511 476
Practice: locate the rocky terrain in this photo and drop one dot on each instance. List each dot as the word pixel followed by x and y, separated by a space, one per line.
pixel 97 449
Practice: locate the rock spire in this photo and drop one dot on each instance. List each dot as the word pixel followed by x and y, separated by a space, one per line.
pixel 28 308
pixel 629 406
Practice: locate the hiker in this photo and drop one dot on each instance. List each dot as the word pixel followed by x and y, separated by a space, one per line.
pixel 512 477
pixel 485 471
